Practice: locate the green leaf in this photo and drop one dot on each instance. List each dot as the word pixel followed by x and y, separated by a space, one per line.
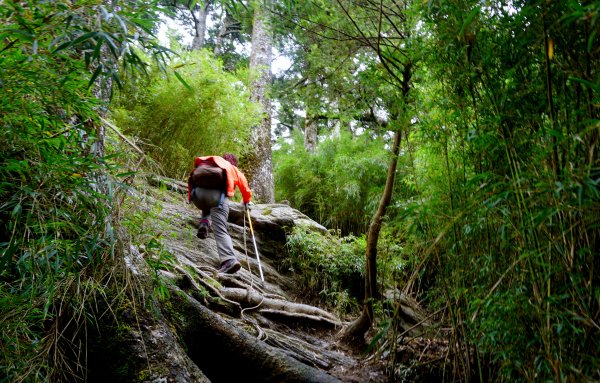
pixel 192 3
pixel 111 44
pixel 121 23
pixel 95 75
pixel 17 210
pixel 82 38
pixel 96 52
pixel 586 83
pixel 181 80
pixel 591 40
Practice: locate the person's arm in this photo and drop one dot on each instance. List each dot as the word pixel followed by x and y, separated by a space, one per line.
pixel 243 185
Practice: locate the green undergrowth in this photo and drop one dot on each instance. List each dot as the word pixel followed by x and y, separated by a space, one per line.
pixel 329 268
pixel 146 231
pixel 66 261
pixel 337 185
pixel 62 246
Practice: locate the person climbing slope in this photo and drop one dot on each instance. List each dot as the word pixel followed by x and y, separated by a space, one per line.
pixel 210 185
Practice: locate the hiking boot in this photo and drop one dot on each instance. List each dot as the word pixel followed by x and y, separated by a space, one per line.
pixel 203 229
pixel 230 266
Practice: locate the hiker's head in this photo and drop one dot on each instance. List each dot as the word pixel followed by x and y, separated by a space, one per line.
pixel 231 158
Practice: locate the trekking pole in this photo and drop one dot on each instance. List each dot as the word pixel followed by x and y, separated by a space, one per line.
pixel 254 241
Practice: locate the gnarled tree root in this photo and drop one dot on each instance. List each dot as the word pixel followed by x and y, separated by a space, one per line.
pixel 279 307
pixel 225 353
pixel 303 351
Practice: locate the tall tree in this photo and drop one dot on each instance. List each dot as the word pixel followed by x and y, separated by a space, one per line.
pixel 328 78
pixel 311 130
pixel 199 15
pixel 259 164
pixel 383 29
pixel 193 14
pixel 372 42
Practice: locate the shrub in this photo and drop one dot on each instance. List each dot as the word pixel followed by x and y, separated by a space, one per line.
pixel 329 267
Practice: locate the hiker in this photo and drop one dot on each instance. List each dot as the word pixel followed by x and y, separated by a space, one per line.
pixel 210 185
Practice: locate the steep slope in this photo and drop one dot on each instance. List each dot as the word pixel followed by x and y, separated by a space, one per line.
pixel 223 328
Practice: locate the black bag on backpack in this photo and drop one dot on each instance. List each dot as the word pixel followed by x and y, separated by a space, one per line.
pixel 208 175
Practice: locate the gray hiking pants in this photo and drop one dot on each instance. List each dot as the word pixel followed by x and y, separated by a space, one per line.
pixel 215 207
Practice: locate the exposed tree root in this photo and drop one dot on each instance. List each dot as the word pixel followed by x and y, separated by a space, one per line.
pixel 279 307
pixel 301 350
pixel 232 300
pixel 354 333
pixel 226 353
pixel 205 283
pixel 298 316
pixel 241 281
pixel 409 319
pixel 273 306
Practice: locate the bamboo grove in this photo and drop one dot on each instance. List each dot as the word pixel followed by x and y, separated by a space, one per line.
pixel 496 201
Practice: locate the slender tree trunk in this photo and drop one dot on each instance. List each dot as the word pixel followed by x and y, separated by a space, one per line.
pixel 555 160
pixel 260 166
pixel 359 327
pixel 199 15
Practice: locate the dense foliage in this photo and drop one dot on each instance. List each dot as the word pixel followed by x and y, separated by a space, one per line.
pixel 516 176
pixel 329 268
pixel 338 184
pixel 494 217
pixel 57 190
pixel 497 200
pixel 210 113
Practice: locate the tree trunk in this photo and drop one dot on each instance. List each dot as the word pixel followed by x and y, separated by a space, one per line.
pixel 199 14
pixel 228 26
pixel 357 329
pixel 310 132
pixel 260 166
